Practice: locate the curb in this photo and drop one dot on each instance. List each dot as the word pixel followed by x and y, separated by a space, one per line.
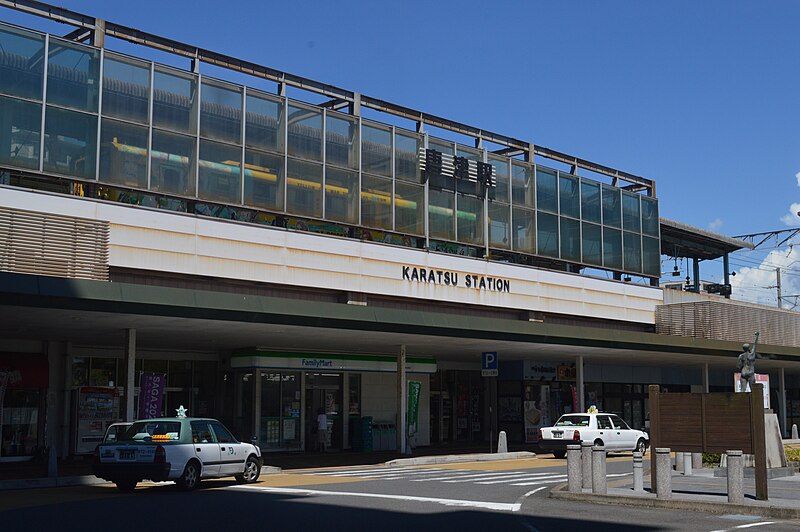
pixel 54 482
pixel 778 512
pixel 456 458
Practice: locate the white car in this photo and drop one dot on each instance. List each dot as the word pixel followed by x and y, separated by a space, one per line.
pixel 180 449
pixel 599 428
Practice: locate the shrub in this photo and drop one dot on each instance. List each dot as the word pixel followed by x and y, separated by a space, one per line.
pixel 711 458
pixel 792 454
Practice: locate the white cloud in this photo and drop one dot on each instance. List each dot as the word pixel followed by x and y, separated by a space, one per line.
pixel 715 225
pixel 793 218
pixel 758 283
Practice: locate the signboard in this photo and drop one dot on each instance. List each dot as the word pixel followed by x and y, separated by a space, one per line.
pixel 97 408
pixel 151 394
pixel 537 414
pixel 412 416
pixel 535 371
pixel 329 362
pixel 760 379
pixel 489 364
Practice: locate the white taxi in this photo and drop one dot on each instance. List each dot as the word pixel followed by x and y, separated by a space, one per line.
pixel 599 428
pixel 182 449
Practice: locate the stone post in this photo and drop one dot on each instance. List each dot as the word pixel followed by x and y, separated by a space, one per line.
pixel 735 477
pixel 586 464
pixel 679 462
pixel 697 461
pixel 687 464
pixel 599 470
pixel 502 443
pixel 663 473
pixel 638 473
pixel 794 432
pixel 574 468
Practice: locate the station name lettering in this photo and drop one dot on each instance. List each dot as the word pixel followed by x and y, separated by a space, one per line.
pixel 449 278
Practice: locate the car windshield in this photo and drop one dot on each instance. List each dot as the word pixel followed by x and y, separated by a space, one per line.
pixel 157 431
pixel 573 421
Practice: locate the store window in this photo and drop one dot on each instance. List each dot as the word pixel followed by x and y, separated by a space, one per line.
pixel 24 378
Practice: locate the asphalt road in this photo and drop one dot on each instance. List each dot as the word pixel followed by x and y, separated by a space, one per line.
pixel 478 496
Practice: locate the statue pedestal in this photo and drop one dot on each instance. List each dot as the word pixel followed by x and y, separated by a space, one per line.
pixel 776 456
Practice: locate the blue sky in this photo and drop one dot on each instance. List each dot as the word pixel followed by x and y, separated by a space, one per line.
pixel 700 96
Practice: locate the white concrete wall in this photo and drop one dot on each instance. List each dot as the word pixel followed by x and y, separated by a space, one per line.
pixel 379 400
pixel 164 241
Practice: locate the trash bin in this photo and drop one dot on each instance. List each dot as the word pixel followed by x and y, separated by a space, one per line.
pixel 389 437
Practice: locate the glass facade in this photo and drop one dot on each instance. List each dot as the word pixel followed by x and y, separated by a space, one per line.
pixel 74 110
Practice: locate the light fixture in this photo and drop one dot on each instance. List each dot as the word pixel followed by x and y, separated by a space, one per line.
pixel 676 272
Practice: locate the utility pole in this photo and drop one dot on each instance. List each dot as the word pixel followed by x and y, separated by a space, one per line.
pixel 778 286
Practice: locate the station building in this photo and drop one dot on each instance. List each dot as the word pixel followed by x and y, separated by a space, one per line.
pixel 274 257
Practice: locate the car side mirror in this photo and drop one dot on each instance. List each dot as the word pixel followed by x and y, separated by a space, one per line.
pixel 254 440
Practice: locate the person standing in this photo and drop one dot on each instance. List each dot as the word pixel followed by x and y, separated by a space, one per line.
pixel 322 430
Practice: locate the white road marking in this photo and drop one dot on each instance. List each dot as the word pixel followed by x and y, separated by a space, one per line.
pixel 523 479
pixel 748 525
pixel 489 476
pixel 472 474
pixel 502 506
pixel 564 477
pixel 344 472
pixel 388 474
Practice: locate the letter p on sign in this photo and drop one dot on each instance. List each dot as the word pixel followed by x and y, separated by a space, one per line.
pixel 489 364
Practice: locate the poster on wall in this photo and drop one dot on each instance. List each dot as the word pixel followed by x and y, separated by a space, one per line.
pixel 412 414
pixel 760 379
pixel 97 408
pixel 3 386
pixel 151 394
pixel 537 414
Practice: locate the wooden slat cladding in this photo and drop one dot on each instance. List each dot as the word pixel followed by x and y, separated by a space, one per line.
pixel 729 320
pixel 52 244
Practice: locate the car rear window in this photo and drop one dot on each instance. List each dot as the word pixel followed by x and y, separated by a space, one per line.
pixel 573 421
pixel 157 431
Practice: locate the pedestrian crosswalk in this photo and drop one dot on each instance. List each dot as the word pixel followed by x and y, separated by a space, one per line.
pixel 521 477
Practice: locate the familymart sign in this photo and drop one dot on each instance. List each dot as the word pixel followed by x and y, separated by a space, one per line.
pixel 328 362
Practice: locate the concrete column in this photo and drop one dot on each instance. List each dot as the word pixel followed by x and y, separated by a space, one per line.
pixel 586 464
pixel 345 410
pixel 663 473
pixel 256 421
pixel 679 462
pixel 687 464
pixel 55 397
pixel 401 400
pixel 579 382
pixel 697 461
pixel 782 399
pixel 705 378
pixel 735 477
pixel 638 473
pixel 65 426
pixel 599 486
pixel 130 371
pixel 574 468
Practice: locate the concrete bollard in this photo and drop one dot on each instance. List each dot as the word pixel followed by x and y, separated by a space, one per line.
pixel 687 464
pixel 586 465
pixel 599 486
pixel 638 473
pixel 574 468
pixel 697 461
pixel 663 473
pixel 735 477
pixel 502 443
pixel 679 462
pixel 794 432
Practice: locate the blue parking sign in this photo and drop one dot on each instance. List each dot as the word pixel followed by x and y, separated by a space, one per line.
pixel 489 364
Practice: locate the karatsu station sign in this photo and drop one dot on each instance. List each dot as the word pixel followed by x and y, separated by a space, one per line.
pixel 433 276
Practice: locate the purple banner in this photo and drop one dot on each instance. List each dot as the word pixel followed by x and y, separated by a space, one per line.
pixel 151 394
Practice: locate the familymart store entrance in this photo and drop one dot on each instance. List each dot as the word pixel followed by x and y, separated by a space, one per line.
pixel 280 394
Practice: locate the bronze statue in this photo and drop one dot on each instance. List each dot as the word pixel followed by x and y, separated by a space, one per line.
pixel 746 364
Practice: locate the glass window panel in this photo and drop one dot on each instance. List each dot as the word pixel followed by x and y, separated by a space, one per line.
pixel 175 101
pixel 341 195
pixel 469 220
pixel 341 141
pixel 546 190
pixel 265 124
pixel 376 150
pixel 220 172
pixel 499 225
pixel 21 64
pixel 263 180
pixel 570 239
pixel 524 230
pixel 123 154
pixel 221 112
pixel 651 256
pixel 523 190
pixel 376 201
pixel 20 127
pixel 172 164
pixel 568 196
pixel 470 153
pixel 547 232
pixel 631 215
pixel 612 211
pixel 592 243
pixel 305 133
pixel 612 248
pixel 650 217
pixel 590 201
pixel 409 208
pixel 440 214
pixel 632 245
pixel 73 75
pixel 442 146
pixel 126 89
pixel 70 143
pixel 304 195
pixel 406 156
pixel 500 165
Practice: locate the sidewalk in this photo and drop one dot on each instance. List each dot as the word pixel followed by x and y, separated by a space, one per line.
pixel 701 492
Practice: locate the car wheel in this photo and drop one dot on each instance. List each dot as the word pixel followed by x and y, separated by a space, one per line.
pixel 559 454
pixel 598 442
pixel 126 485
pixel 251 471
pixel 190 478
pixel 641 446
